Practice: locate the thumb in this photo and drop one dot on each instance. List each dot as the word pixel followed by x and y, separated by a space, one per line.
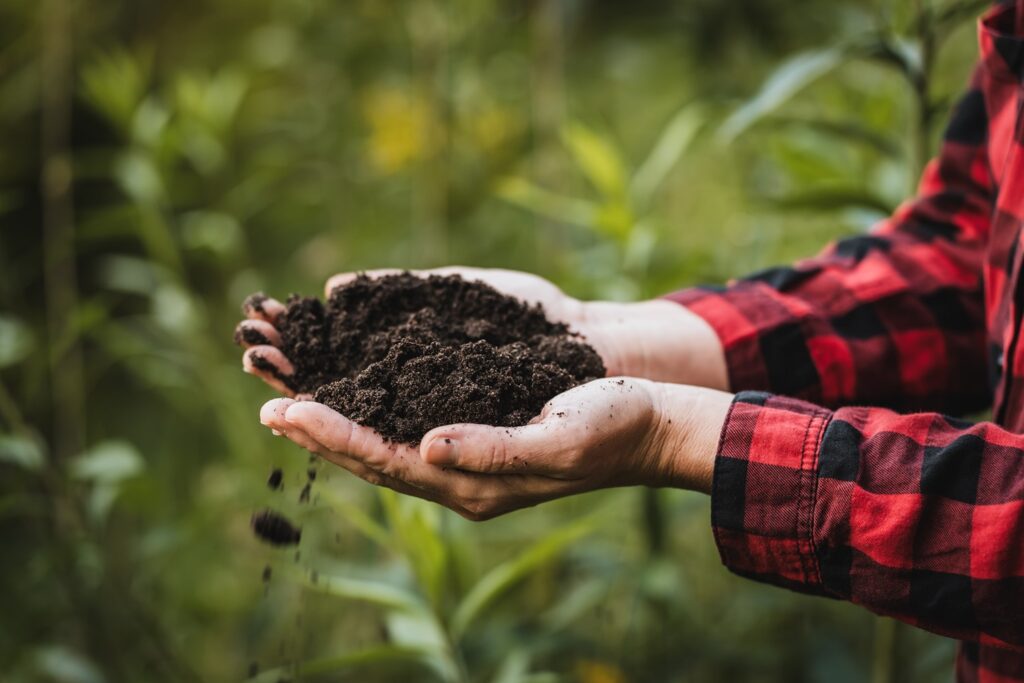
pixel 540 448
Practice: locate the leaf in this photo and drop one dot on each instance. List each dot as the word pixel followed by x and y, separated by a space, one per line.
pixel 792 76
pixel 21 451
pixel 545 203
pixel 108 461
pixel 114 83
pixel 831 199
pixel 355 516
pixel 15 340
pixel 376 592
pixel 899 52
pixel 422 631
pixel 417 523
pixel 596 158
pixel 214 231
pixel 501 578
pixel 138 176
pixel 514 667
pixel 849 130
pixel 583 597
pixel 63 664
pixel 674 140
pixel 958 12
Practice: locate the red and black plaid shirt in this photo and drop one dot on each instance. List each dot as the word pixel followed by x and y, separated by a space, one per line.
pixel 914 515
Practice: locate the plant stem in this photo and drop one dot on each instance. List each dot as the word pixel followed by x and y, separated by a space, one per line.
pixel 922 89
pixel 58 231
pixel 547 100
pixel 883 669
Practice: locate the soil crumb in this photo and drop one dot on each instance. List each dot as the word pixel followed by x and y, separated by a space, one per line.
pixel 275 479
pixel 404 354
pixel 275 529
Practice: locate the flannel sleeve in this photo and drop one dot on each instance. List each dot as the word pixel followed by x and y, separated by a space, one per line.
pixel 895 317
pixel 919 517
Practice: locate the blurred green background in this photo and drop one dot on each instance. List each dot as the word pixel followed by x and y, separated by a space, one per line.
pixel 162 160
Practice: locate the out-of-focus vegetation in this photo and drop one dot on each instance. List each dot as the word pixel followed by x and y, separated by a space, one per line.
pixel 162 160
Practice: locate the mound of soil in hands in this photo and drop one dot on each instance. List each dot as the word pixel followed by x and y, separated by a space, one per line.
pixel 404 354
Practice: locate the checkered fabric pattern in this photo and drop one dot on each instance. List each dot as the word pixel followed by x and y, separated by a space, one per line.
pixel 914 515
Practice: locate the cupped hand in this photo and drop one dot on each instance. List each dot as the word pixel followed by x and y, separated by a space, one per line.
pixel 609 432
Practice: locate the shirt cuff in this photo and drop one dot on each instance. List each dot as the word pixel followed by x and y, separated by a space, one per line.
pixel 765 489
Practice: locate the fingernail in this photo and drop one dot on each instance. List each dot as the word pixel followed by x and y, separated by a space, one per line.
pixel 442 452
pixel 275 432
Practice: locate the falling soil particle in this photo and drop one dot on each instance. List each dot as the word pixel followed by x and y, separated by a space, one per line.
pixel 275 529
pixel 275 478
pixel 311 474
pixel 304 494
pixel 267 573
pixel 404 354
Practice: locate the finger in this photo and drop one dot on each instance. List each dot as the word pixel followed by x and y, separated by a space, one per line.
pixel 270 365
pixel 542 448
pixel 341 435
pixel 250 333
pixel 276 410
pixel 272 414
pixel 259 306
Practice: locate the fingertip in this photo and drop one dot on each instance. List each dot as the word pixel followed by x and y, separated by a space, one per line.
pixel 267 359
pixel 272 412
pixel 305 412
pixel 253 332
pixel 439 450
pixel 259 306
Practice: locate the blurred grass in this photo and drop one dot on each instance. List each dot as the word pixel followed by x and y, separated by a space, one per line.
pixel 164 160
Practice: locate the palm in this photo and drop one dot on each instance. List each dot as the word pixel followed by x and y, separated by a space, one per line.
pixel 585 438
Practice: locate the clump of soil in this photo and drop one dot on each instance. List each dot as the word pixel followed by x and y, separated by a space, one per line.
pixel 404 354
pixel 275 528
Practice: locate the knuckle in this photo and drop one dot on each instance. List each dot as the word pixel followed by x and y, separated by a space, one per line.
pixel 497 454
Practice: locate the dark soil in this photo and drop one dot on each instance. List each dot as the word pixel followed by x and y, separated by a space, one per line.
pixel 405 354
pixel 274 480
pixel 275 529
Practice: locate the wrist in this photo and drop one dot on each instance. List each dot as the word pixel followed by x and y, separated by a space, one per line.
pixel 686 427
pixel 658 340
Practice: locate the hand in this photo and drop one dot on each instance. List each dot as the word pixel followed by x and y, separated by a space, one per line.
pixel 658 340
pixel 609 432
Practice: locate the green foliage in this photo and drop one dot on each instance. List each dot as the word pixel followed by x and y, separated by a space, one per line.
pixel 220 148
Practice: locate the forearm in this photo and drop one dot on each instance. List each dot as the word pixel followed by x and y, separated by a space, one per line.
pixel 911 516
pixel 658 340
pixel 681 443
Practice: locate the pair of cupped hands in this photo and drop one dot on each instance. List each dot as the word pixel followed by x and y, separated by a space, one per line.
pixel 654 420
